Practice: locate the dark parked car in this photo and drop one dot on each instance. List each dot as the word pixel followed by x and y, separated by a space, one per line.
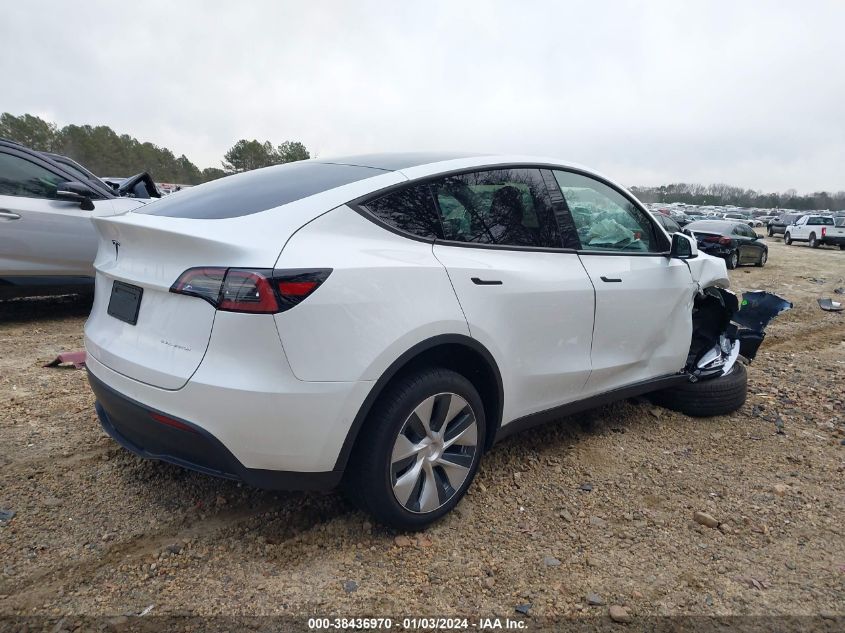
pixel 734 241
pixel 667 223
pixel 777 226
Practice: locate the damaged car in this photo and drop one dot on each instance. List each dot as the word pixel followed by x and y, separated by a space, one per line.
pixel 381 321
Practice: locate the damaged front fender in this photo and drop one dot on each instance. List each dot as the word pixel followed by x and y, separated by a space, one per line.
pixel 756 310
pixel 709 271
pixel 725 327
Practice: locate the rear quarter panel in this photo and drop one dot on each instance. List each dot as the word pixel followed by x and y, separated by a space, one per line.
pixel 385 294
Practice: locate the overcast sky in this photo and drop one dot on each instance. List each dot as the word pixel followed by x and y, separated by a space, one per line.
pixel 746 93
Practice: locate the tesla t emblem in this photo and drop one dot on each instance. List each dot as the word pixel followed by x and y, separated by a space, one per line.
pixel 116 248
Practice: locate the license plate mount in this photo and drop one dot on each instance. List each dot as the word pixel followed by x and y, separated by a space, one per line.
pixel 125 302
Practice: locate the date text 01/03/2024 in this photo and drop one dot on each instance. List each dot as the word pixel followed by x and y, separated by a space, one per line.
pixel 410 623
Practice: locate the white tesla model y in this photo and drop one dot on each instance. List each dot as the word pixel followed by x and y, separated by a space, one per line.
pixel 382 320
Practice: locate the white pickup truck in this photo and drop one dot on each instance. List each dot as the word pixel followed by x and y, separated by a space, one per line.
pixel 816 230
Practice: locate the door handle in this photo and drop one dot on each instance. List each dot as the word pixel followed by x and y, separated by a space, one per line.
pixel 5 214
pixel 611 280
pixel 486 282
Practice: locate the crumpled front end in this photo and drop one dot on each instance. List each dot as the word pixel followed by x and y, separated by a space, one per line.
pixel 725 328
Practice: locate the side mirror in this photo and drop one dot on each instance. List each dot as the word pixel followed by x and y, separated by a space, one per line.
pixel 78 192
pixel 683 247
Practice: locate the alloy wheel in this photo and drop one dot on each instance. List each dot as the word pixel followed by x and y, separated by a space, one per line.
pixel 433 452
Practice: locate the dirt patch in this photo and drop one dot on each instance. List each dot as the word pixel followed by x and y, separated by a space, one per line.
pixel 97 530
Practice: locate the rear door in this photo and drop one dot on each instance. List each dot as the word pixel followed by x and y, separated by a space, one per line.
pixel 526 298
pixel 41 236
pixel 643 319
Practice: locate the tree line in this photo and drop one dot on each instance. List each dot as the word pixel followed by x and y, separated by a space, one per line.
pixel 107 153
pixel 726 194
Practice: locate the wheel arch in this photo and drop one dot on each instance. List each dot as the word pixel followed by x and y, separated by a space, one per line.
pixel 458 352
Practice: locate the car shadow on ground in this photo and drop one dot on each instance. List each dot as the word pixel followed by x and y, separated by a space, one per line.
pixel 278 515
pixel 170 488
pixel 39 308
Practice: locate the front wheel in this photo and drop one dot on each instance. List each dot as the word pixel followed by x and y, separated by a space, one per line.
pixel 717 396
pixel 733 260
pixel 419 449
pixel 770 232
pixel 787 239
pixel 813 242
pixel 763 259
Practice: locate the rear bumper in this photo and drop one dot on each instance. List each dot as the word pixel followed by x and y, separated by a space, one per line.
pixel 716 250
pixel 833 240
pixel 156 435
pixel 244 394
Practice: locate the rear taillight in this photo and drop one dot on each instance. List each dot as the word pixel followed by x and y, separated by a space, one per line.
pixel 248 291
pixel 259 291
pixel 294 286
pixel 824 231
pixel 204 283
pixel 715 239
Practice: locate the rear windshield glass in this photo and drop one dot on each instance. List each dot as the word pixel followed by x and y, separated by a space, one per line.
pixel 256 191
pixel 711 227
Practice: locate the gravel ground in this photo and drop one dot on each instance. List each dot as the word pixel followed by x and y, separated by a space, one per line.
pixel 98 531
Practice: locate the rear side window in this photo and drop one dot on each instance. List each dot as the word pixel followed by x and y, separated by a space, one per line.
pixel 604 218
pixel 20 177
pixel 670 225
pixel 411 210
pixel 256 191
pixel 820 221
pixel 506 207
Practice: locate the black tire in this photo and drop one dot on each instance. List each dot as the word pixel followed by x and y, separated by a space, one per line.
pixel 717 396
pixel 842 247
pixel 770 232
pixel 369 480
pixel 787 239
pixel 813 242
pixel 763 258
pixel 732 260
